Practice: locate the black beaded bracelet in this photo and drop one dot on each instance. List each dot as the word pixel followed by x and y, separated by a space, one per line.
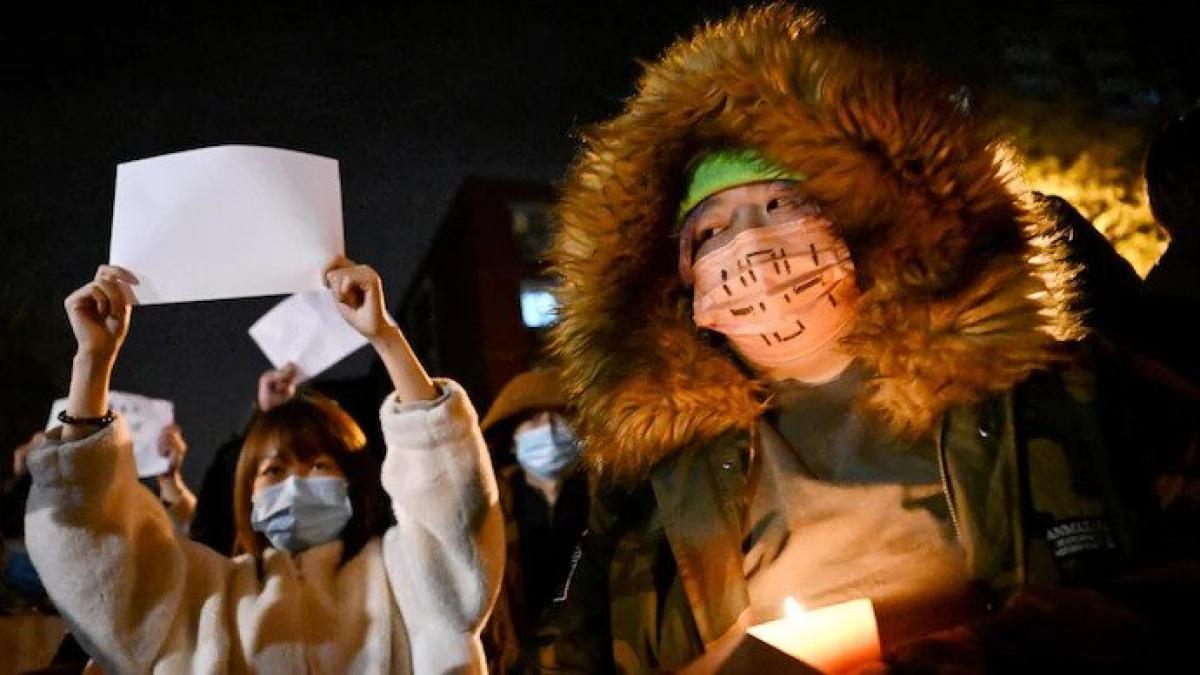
pixel 102 421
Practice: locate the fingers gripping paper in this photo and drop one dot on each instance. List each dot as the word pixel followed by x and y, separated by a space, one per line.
pixel 146 417
pixel 228 221
pixel 307 330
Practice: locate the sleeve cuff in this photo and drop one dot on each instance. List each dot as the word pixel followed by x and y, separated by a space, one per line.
pixel 428 425
pixel 91 460
pixel 444 392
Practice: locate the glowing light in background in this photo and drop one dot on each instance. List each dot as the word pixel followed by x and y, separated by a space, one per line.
pixel 539 307
pixel 1093 162
pixel 1102 194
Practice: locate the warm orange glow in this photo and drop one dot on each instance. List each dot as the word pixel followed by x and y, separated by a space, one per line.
pixel 1120 212
pixel 831 639
pixel 1068 149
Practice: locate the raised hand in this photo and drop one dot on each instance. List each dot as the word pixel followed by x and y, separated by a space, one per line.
pixel 359 294
pixel 99 312
pixel 172 446
pixel 276 387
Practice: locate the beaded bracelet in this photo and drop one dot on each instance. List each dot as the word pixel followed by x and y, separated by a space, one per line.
pixel 102 421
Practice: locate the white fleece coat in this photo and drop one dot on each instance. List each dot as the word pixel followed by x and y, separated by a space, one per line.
pixel 142 598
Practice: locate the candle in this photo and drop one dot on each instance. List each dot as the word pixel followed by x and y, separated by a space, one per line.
pixel 830 639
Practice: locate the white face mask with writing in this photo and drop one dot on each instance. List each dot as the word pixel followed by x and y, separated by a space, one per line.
pixel 546 450
pixel 782 294
pixel 302 512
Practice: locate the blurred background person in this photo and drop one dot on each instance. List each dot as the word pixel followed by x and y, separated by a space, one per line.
pixel 1172 171
pixel 173 492
pixel 544 496
pixel 1172 174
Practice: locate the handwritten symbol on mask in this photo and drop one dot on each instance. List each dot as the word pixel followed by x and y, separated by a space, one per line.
pixel 778 304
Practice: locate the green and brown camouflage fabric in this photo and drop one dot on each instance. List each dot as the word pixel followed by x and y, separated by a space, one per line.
pixel 1029 474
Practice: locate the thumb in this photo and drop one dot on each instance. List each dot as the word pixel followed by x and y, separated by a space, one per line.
pixel 287 372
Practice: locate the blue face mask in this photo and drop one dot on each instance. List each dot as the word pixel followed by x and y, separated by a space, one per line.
pixel 299 512
pixel 547 450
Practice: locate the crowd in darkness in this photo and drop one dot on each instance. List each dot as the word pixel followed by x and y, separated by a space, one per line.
pixel 812 343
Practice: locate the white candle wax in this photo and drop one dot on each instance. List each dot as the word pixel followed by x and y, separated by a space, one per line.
pixel 830 639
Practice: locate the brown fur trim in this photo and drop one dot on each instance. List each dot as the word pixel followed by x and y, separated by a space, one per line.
pixel 966 288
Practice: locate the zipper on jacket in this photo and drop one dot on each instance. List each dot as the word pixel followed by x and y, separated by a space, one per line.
pixel 944 474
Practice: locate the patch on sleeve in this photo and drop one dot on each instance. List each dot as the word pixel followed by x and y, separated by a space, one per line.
pixel 1075 536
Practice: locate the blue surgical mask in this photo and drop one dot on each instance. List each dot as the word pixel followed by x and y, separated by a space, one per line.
pixel 301 512
pixel 547 450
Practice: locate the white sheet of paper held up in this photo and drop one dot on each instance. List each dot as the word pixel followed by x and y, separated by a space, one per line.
pixel 307 330
pixel 228 221
pixel 146 418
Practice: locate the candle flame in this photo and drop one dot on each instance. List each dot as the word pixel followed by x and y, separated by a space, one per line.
pixel 792 609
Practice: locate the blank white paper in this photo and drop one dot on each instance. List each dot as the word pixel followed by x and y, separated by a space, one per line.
pixel 307 330
pixel 228 221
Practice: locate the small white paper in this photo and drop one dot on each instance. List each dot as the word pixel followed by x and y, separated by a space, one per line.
pixel 146 418
pixel 228 221
pixel 307 330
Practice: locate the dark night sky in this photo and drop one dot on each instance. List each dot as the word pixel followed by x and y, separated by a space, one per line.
pixel 410 99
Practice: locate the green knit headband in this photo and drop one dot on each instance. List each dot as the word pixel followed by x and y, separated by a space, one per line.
pixel 723 169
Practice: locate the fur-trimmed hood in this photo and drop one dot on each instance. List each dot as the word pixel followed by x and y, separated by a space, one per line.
pixel 965 286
